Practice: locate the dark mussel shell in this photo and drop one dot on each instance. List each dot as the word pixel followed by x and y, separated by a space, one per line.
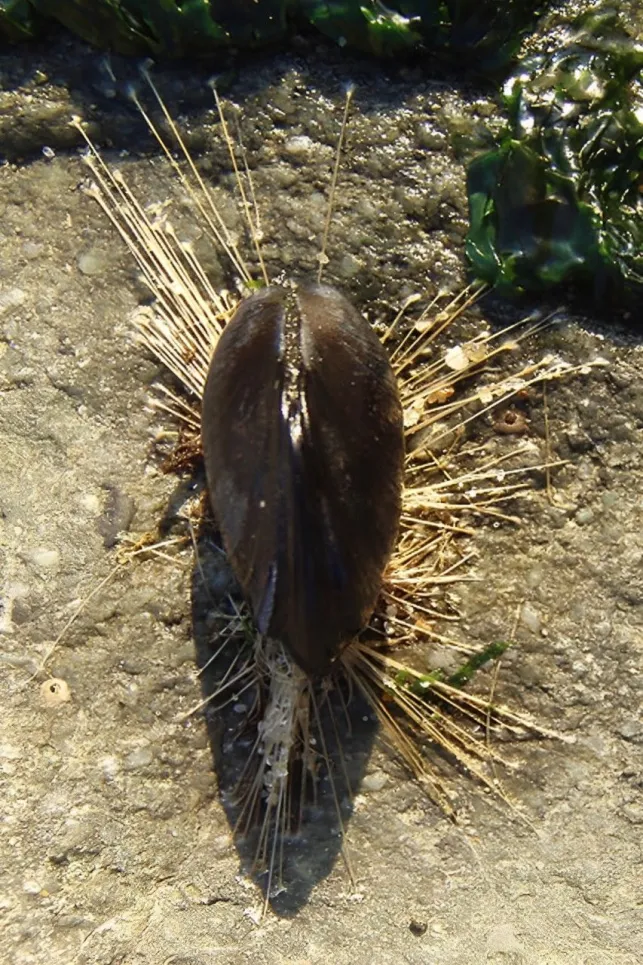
pixel 304 449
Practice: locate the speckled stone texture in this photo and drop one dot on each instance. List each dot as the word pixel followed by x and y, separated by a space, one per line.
pixel 114 847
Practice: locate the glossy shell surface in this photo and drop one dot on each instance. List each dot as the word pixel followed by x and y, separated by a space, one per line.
pixel 304 448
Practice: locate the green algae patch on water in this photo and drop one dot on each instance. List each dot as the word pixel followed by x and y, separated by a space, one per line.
pixel 560 199
pixel 489 32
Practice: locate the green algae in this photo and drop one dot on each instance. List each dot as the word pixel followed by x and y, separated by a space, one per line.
pixel 421 684
pixel 18 20
pixel 488 32
pixel 560 199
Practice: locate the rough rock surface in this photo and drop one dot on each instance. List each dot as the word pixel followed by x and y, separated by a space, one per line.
pixel 114 846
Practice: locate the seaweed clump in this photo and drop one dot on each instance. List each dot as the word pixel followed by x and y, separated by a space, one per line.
pixel 490 33
pixel 559 200
pixel 487 34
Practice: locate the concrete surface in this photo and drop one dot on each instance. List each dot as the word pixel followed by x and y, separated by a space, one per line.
pixel 114 847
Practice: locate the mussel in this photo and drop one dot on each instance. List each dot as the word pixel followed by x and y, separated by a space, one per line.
pixel 304 448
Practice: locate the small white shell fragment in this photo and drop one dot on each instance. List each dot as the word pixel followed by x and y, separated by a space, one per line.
pixel 460 357
pixel 45 559
pixel 31 886
pixel 253 914
pixel 55 692
pixel 412 414
pixel 456 359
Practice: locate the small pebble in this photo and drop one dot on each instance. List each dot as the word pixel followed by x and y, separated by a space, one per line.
pixel 183 655
pixel 9 752
pixel 132 665
pixel 349 266
pixel 535 577
pixel 110 768
pixel 530 618
pixel 141 757
pixel 318 201
pixel 12 298
pixel 584 516
pixel 374 781
pixel 90 503
pixel 31 887
pixel 299 146
pixel 631 729
pixel 367 209
pixel 32 250
pixel 633 813
pixel 93 262
pixel 45 559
